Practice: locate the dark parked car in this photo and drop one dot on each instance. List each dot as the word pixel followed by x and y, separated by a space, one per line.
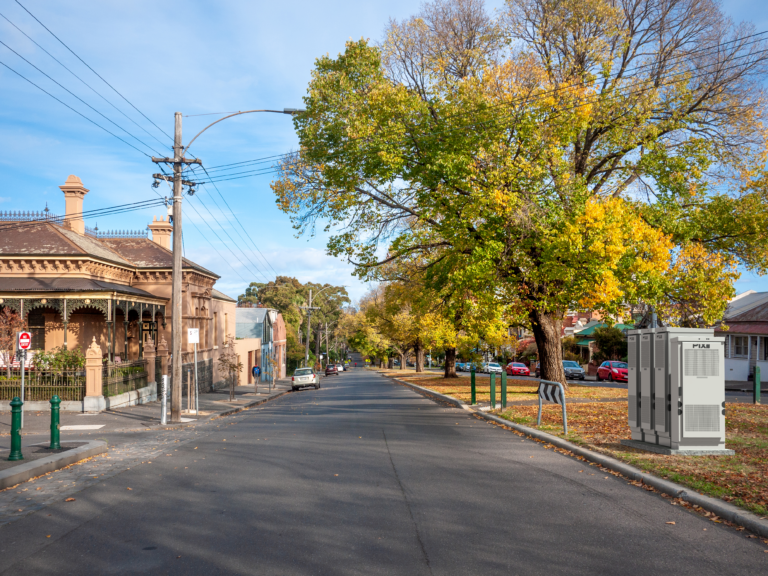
pixel 331 369
pixel 612 370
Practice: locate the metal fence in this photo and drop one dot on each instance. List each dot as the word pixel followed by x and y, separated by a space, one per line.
pixel 42 385
pixel 124 377
pixel 204 376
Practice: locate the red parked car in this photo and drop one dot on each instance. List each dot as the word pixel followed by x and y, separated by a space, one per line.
pixel 331 369
pixel 612 370
pixel 517 369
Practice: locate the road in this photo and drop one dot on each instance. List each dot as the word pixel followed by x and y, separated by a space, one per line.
pixel 366 477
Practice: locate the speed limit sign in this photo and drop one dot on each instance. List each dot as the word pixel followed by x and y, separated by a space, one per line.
pixel 24 340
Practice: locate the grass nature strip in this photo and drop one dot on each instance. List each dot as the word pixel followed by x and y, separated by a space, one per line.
pixel 741 479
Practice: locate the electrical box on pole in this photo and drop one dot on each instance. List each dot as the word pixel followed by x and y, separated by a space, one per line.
pixel 676 391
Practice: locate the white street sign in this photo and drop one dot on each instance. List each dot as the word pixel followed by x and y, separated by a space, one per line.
pixel 24 340
pixel 193 335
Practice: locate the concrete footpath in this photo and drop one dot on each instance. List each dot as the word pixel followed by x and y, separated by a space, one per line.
pixel 136 417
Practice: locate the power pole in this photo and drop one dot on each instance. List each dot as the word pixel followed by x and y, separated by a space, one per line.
pixel 178 162
pixel 309 320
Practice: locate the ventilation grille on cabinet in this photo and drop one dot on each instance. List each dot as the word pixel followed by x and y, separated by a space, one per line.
pixel 702 362
pixel 659 357
pixel 702 418
pixel 632 410
pixel 632 353
pixel 645 353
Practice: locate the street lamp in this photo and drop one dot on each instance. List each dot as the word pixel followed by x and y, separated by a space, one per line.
pixel 178 161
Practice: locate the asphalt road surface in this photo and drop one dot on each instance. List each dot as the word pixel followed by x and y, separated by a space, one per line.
pixel 366 477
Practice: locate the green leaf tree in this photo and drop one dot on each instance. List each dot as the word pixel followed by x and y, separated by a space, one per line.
pixel 568 154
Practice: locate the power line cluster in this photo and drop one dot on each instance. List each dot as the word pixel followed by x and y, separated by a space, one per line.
pixel 120 132
pixel 246 169
pixel 267 165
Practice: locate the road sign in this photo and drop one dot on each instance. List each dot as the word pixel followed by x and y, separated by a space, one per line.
pixel 24 340
pixel 193 335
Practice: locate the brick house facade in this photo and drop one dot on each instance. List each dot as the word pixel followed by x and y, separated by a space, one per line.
pixel 73 285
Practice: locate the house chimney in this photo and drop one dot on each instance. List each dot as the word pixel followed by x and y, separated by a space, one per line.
pixel 74 192
pixel 161 231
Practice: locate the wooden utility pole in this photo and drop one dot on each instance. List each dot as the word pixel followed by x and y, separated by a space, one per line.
pixel 309 320
pixel 178 162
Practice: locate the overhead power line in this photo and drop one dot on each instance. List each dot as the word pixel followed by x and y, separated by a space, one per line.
pixel 73 110
pixel 78 97
pixel 249 239
pixel 682 77
pixel 702 52
pixel 253 266
pixel 91 88
pixel 90 214
pixel 92 70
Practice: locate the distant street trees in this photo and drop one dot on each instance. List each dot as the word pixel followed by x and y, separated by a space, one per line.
pixel 288 295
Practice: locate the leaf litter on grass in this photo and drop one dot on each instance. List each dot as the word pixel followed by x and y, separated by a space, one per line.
pixel 741 479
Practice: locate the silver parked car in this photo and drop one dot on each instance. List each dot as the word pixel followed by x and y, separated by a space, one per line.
pixel 573 371
pixel 303 377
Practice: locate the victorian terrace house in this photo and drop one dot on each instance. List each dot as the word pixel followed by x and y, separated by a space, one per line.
pixel 108 291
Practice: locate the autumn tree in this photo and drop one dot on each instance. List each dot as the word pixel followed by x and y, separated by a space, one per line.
pixel 230 364
pixel 570 154
pixel 10 324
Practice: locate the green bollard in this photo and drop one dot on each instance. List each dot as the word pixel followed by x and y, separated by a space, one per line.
pixel 493 390
pixel 16 405
pixel 504 389
pixel 55 444
pixel 756 391
pixel 473 399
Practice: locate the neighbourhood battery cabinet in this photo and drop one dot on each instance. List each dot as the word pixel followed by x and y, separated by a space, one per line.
pixel 676 395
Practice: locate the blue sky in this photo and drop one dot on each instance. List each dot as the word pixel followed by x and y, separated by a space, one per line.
pixel 195 57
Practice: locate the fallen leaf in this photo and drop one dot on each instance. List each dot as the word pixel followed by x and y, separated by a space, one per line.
pixel 670 523
pixel 335 474
pixel 129 488
pixel 69 500
pixel 48 536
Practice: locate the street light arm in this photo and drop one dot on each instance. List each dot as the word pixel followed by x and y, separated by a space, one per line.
pixel 326 288
pixel 286 111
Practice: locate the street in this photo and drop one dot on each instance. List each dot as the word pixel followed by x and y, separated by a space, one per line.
pixel 365 477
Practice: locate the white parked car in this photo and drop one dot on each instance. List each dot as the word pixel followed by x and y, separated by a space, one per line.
pixel 492 367
pixel 303 377
pixel 340 367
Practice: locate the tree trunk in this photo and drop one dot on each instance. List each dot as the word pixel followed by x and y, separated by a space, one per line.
pixel 318 335
pixel 402 361
pixel 450 363
pixel 419 352
pixel 390 362
pixel 546 330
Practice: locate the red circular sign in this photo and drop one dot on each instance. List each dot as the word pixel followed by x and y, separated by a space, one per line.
pixel 25 340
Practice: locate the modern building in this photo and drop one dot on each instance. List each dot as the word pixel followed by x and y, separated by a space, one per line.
pixel 261 341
